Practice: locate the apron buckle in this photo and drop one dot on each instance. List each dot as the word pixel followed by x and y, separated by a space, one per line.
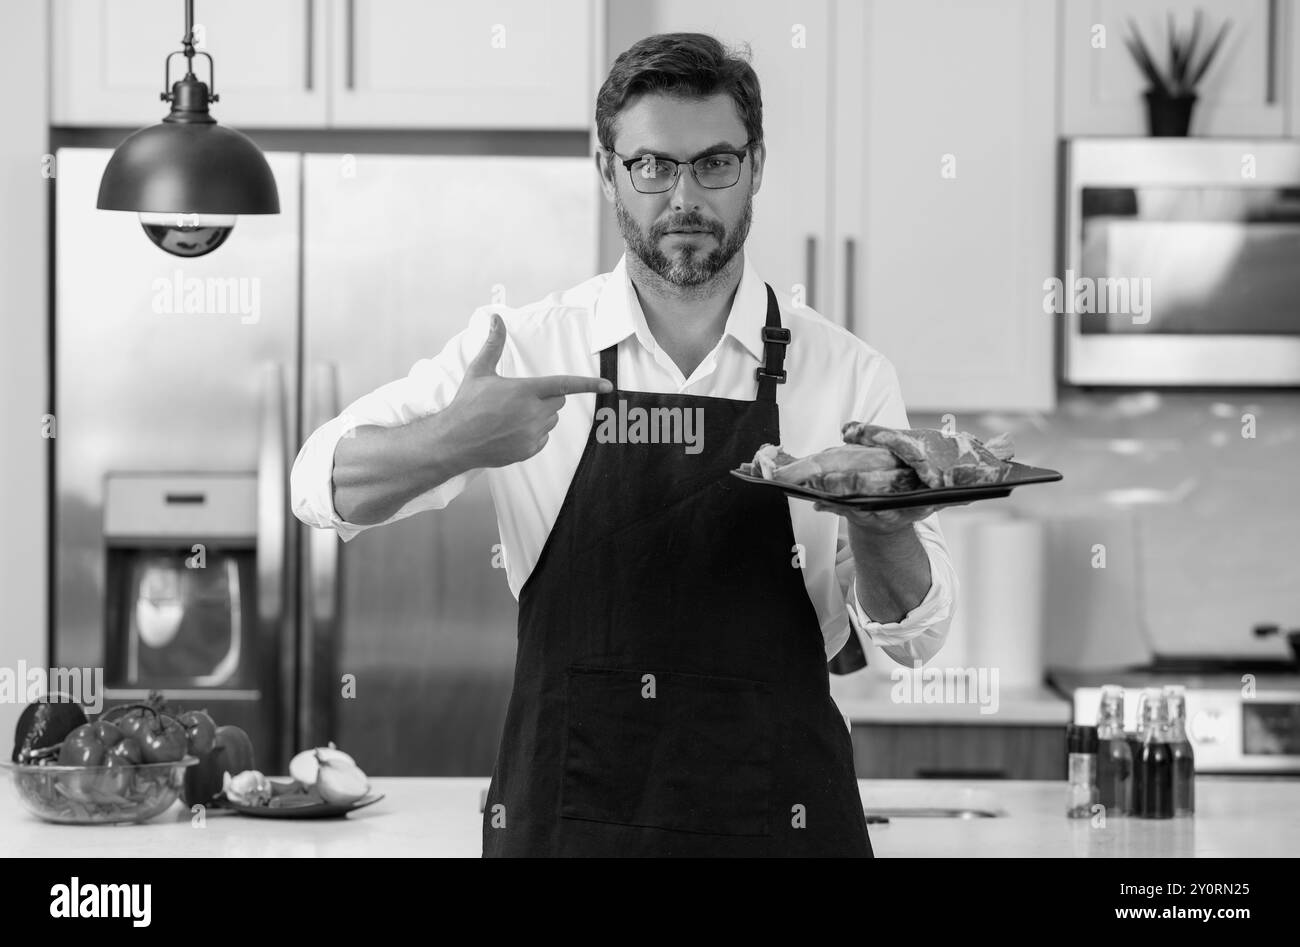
pixel 773 335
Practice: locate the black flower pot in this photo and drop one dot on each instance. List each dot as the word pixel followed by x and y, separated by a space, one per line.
pixel 1169 116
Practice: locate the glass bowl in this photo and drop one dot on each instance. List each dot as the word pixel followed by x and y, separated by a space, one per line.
pixel 89 795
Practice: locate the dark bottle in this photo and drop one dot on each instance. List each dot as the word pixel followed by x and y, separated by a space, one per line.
pixel 1155 764
pixel 1114 756
pixel 1134 739
pixel 1184 759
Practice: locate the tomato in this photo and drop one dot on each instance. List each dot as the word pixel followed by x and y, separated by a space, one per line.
pixel 133 723
pixel 161 738
pixel 107 733
pixel 127 750
pixel 115 779
pixel 200 731
pixel 81 748
pixel 163 741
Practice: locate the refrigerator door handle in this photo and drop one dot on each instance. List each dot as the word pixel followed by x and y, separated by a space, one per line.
pixel 272 508
pixel 320 615
pixel 271 476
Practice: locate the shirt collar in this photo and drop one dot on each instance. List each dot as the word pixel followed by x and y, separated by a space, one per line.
pixel 618 312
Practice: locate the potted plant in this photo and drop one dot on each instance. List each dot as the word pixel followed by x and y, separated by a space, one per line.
pixel 1172 93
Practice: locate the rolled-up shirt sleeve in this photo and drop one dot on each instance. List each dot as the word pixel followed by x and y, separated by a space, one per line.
pixel 920 634
pixel 429 387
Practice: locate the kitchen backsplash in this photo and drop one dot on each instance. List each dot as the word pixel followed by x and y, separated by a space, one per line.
pixel 1190 497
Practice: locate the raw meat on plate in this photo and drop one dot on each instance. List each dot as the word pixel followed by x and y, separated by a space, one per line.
pixel 876 460
pixel 939 459
pixel 843 470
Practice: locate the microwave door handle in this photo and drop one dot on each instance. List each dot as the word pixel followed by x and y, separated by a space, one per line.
pixel 271 510
pixel 320 621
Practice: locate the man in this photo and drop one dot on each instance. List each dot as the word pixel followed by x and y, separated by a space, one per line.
pixel 671 694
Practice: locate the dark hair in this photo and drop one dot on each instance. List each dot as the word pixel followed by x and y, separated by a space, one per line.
pixel 687 65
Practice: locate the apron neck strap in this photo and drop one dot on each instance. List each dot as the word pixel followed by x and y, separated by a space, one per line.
pixel 770 374
pixel 775 338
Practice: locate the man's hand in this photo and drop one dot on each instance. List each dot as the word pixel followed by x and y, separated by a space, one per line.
pixel 505 420
pixel 891 564
pixel 881 522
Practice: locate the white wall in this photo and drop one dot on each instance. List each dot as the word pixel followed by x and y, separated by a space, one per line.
pixel 24 354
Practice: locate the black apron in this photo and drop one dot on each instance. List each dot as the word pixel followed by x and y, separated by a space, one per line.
pixel 671 695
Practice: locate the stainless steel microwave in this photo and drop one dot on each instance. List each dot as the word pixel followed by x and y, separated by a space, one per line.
pixel 1181 263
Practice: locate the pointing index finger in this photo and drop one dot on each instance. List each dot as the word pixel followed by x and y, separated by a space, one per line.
pixel 549 386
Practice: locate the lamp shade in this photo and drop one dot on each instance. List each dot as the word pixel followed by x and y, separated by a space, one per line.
pixel 189 168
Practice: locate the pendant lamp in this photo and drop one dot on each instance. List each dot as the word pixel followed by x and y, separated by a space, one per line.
pixel 187 176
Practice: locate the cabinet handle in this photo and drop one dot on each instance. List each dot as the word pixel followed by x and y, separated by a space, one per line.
pixel 310 10
pixel 351 43
pixel 810 272
pixel 850 279
pixel 1270 95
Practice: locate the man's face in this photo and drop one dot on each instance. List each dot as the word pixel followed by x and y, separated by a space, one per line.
pixel 682 129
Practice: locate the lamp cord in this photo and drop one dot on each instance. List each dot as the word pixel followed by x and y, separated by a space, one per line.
pixel 187 50
pixel 188 39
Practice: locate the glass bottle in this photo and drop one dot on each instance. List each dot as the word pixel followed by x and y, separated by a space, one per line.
pixel 1155 764
pixel 1184 759
pixel 1134 738
pixel 1082 792
pixel 1114 756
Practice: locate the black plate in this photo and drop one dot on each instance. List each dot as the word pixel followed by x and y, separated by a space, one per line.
pixel 1020 475
pixel 323 811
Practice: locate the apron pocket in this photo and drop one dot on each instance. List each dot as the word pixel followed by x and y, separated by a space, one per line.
pixel 694 757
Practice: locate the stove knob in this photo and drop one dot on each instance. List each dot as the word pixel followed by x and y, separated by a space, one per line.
pixel 1205 726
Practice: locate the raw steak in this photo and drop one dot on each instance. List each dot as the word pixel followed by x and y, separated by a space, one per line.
pixel 844 470
pixel 940 460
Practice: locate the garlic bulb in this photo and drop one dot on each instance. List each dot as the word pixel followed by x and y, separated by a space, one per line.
pixel 249 788
pixel 305 766
pixel 340 783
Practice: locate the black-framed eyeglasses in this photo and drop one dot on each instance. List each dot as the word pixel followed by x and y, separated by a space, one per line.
pixel 655 174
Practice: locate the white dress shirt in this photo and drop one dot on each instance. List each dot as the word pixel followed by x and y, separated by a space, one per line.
pixel 833 377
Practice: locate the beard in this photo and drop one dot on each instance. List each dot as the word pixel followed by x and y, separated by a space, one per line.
pixel 688 265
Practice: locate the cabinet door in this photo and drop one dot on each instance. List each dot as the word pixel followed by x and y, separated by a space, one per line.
pixel 791 43
pixel 945 152
pixel 108 59
pixel 1243 93
pixel 512 64
pixel 963 751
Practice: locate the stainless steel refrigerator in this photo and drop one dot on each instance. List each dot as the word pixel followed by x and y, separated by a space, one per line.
pixel 183 390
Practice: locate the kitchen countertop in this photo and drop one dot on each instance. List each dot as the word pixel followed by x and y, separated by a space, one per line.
pixel 1245 817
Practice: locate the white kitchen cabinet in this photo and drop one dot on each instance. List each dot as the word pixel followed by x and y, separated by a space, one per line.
pixel 402 64
pixel 107 60
pixel 791 42
pixel 515 64
pixel 945 195
pixel 1247 91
